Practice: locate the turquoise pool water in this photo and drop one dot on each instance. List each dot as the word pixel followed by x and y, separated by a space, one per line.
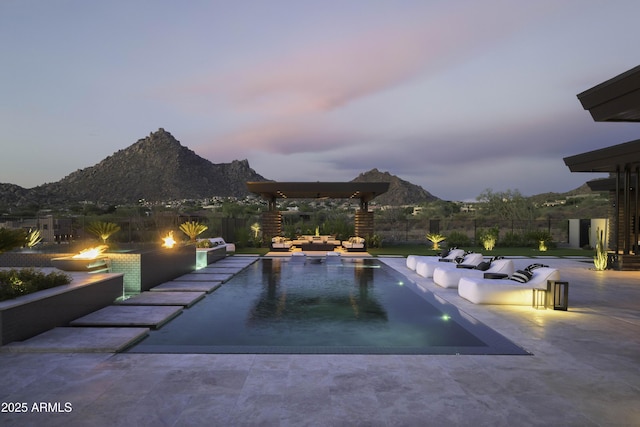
pixel 349 306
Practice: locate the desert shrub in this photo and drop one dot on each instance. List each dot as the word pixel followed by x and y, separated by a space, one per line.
pixel 512 240
pixel 488 237
pixel 532 239
pixel 14 283
pixel 458 240
pixel 374 241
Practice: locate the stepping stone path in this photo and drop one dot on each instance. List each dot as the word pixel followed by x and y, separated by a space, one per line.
pixel 115 328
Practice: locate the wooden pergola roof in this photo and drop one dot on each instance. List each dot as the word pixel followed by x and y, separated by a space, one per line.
pixel 615 100
pixel 364 191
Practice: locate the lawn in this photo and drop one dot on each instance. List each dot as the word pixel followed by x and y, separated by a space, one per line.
pixel 404 250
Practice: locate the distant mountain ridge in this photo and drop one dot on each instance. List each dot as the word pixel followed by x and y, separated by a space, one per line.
pixel 159 168
pixel 155 168
pixel 400 192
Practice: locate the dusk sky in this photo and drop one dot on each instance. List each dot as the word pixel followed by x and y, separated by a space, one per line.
pixel 455 96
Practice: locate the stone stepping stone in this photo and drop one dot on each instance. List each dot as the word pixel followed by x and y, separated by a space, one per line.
pixel 218 270
pixel 186 299
pixel 133 315
pixel 79 340
pixel 205 277
pixel 187 286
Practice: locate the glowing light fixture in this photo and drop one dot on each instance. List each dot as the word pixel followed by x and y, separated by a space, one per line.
pixel 168 240
pixel 91 253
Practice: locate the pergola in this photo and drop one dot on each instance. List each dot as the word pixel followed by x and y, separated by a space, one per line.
pixel 362 191
pixel 616 100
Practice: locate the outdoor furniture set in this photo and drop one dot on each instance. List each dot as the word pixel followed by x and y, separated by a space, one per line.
pixel 494 281
pixel 317 243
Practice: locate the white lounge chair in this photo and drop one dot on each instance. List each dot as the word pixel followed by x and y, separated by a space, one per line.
pixel 479 290
pixel 426 268
pixel 449 277
pixel 412 260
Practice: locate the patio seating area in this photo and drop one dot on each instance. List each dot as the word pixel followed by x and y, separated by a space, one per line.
pixel 323 243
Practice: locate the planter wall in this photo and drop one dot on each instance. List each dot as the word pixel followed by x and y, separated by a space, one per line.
pixel 206 256
pixel 29 315
pixel 146 269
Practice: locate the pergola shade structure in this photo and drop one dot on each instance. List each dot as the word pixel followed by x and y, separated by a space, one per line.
pixel 616 100
pixel 362 191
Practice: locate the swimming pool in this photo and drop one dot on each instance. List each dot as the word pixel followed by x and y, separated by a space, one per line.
pixel 317 306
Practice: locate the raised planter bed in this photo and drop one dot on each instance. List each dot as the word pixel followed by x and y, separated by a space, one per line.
pixel 29 315
pixel 206 256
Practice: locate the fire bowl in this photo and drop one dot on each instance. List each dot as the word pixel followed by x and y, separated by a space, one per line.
pixel 79 264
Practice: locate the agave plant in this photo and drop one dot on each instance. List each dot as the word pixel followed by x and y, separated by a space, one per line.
pixel 435 239
pixel 192 229
pixel 33 238
pixel 103 229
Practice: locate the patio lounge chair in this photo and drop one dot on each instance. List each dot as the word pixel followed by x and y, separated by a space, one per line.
pixel 426 268
pixel 412 260
pixel 449 277
pixel 479 290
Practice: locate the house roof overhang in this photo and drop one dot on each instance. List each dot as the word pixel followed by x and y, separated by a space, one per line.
pixel 364 191
pixel 610 159
pixel 615 100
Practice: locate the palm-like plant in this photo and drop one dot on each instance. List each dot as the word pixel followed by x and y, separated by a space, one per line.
pixel 192 229
pixel 435 239
pixel 103 230
pixel 33 238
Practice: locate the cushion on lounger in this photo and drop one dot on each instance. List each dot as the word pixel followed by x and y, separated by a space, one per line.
pixel 534 266
pixel 483 266
pixel 522 276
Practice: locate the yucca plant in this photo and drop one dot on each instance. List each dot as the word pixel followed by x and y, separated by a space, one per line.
pixel 103 230
pixel 435 240
pixel 600 259
pixel 192 229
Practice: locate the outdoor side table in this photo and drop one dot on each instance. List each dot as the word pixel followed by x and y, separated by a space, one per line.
pixel 557 295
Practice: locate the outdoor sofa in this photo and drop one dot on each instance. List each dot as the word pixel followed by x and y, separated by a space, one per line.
pixel 449 277
pixel 354 244
pixel 480 290
pixel 281 244
pixel 426 268
pixel 412 260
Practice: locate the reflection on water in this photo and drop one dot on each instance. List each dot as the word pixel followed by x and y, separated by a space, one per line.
pixel 277 302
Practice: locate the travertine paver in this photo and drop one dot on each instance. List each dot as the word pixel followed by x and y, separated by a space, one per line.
pixel 193 286
pixel 133 315
pixel 186 299
pixel 78 340
pixel 205 277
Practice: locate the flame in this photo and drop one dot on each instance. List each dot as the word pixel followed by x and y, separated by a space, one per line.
pixel 91 253
pixel 168 240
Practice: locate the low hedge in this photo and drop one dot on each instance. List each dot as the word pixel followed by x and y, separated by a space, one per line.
pixel 14 283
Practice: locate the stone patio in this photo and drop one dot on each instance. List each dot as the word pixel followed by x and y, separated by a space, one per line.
pixel 584 372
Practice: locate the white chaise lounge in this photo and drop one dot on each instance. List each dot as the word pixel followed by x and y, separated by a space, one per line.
pixel 479 290
pixel 412 260
pixel 449 277
pixel 426 268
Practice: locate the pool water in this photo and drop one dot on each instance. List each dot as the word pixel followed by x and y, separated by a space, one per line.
pixel 318 306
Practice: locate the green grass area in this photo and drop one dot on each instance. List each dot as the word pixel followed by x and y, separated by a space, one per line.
pixel 404 250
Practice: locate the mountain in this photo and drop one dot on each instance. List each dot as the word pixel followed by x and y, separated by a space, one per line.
pixel 155 168
pixel 400 192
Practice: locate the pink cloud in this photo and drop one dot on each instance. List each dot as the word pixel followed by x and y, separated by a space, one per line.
pixel 329 75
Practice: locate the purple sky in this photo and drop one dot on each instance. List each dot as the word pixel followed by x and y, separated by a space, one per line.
pixel 455 96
